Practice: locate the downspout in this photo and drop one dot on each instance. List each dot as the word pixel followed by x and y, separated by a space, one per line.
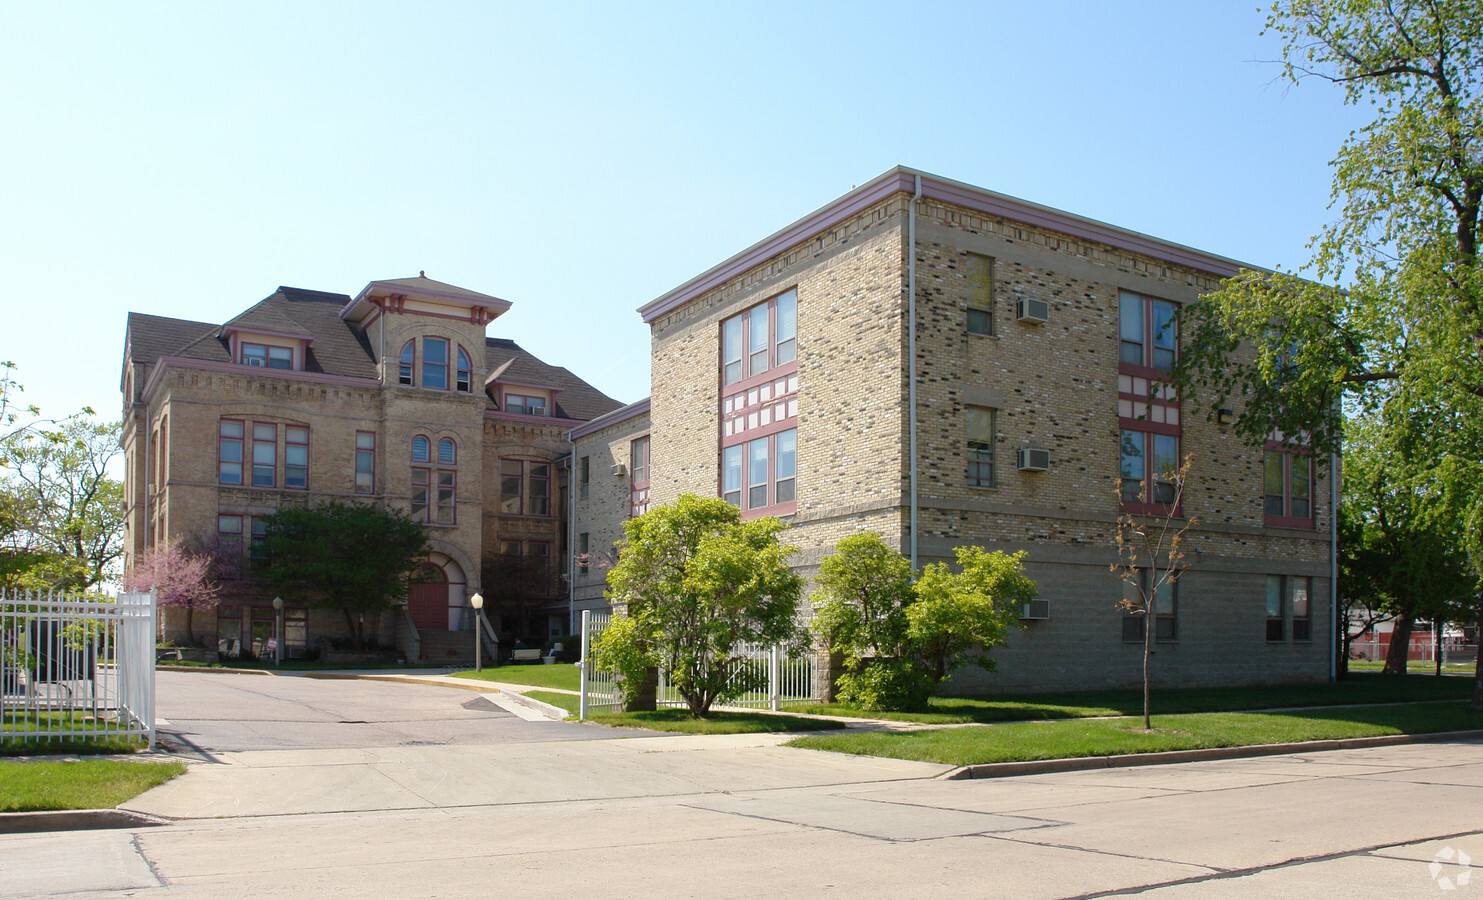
pixel 571 538
pixel 911 352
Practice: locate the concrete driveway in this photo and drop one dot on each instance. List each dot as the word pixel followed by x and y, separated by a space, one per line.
pixel 207 713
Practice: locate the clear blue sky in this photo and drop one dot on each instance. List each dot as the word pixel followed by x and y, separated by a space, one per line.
pixel 581 159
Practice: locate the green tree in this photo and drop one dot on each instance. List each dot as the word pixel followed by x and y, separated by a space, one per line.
pixel 959 616
pixel 900 639
pixel 345 556
pixel 1405 337
pixel 70 511
pixel 863 590
pixel 700 583
pixel 180 577
pixel 1405 553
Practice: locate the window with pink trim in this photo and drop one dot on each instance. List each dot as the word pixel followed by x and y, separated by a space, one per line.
pixel 406 362
pixel 759 407
pixel 295 456
pixel 365 462
pixel 1287 478
pixel 638 469
pixel 264 454
pixel 229 452
pixel 465 372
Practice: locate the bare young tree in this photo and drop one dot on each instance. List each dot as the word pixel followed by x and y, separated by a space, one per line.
pixel 1151 557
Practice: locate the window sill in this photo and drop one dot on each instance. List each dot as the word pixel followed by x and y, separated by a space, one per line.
pixel 1288 522
pixel 983 487
pixel 979 334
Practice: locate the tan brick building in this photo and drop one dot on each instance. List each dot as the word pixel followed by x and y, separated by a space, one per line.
pixel 784 380
pixel 395 397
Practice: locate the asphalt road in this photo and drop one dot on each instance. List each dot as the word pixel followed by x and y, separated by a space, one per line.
pixel 208 712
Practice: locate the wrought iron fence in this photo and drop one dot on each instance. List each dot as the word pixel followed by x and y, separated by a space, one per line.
pixel 787 678
pixel 79 668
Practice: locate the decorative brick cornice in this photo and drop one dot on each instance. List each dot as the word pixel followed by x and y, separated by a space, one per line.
pixel 903 180
pixel 262 372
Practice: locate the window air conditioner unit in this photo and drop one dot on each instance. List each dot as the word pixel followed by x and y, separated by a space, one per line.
pixel 254 360
pixel 619 470
pixel 1035 609
pixel 1028 459
pixel 1031 311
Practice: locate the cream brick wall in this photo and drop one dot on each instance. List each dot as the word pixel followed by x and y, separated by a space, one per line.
pixel 1055 386
pixel 605 509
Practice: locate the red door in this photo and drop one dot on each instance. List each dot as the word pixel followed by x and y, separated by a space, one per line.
pixel 428 604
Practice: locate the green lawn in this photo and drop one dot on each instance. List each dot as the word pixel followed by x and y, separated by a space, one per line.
pixel 1417 667
pixel 1111 737
pixel 1359 687
pixel 718 723
pixel 25 720
pixel 563 676
pixel 567 702
pixel 93 784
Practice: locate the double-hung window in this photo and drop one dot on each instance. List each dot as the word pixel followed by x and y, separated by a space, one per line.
pixel 435 363
pixel 1148 411
pixel 525 404
pixel 1287 477
pixel 434 481
pixel 365 462
pixel 980 276
pixel 525 487
pixel 584 475
pixel 267 356
pixel 295 456
pixel 1165 608
pixel 264 454
pixel 229 453
pixel 759 407
pixel 1276 619
pixel 465 372
pixel 980 446
pixel 638 474
pixel 1289 594
pixel 760 339
pixel 406 363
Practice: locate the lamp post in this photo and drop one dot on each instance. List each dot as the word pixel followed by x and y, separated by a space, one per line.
pixel 277 631
pixel 477 602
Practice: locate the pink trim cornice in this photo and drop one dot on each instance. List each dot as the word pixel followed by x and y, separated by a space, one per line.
pixel 481 312
pixel 520 417
pixel 608 420
pixel 903 180
pixel 180 362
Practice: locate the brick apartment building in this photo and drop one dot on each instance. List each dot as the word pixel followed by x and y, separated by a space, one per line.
pixel 784 380
pixel 395 397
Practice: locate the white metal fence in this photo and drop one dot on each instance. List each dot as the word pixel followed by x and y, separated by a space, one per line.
pixel 80 668
pixel 787 678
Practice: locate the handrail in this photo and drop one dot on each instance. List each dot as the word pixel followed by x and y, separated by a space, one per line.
pixel 489 633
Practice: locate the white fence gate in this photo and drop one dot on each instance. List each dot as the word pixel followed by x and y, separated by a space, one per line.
pixel 77 668
pixel 788 678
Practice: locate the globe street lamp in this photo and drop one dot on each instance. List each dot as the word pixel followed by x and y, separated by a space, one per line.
pixel 277 632
pixel 477 602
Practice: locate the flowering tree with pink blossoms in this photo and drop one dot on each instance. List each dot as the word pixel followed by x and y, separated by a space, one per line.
pixel 180 577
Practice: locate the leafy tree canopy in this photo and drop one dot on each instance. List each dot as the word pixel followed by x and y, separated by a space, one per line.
pixel 352 557
pixel 699 585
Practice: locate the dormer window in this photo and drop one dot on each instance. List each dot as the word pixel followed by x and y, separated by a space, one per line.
pixel 525 404
pixel 267 356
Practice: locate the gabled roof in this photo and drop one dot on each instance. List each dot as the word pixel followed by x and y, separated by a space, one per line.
pixel 267 318
pixel 509 363
pixel 422 288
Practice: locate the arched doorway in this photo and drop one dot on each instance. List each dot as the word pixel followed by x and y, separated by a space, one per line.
pixel 427 598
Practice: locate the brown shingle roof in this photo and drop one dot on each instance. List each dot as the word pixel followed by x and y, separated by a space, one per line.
pixel 577 400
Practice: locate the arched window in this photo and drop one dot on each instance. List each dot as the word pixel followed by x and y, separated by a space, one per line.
pixel 447 452
pixel 420 449
pixel 435 363
pixel 404 368
pixel 433 489
pixel 465 372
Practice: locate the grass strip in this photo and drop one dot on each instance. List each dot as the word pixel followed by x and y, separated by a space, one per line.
pixel 35 785
pixel 679 720
pixel 567 702
pixel 561 675
pixel 1016 741
pixel 1359 687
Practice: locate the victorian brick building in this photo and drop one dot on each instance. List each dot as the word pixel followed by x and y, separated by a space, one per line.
pixel 394 397
pixel 945 365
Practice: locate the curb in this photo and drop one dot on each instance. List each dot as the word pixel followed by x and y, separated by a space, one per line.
pixel 1043 766
pixel 549 710
pixel 75 820
pixel 435 681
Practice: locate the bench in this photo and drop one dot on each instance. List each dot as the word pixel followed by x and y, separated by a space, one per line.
pixel 525 656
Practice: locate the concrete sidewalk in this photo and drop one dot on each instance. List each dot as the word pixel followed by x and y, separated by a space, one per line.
pixel 296 782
